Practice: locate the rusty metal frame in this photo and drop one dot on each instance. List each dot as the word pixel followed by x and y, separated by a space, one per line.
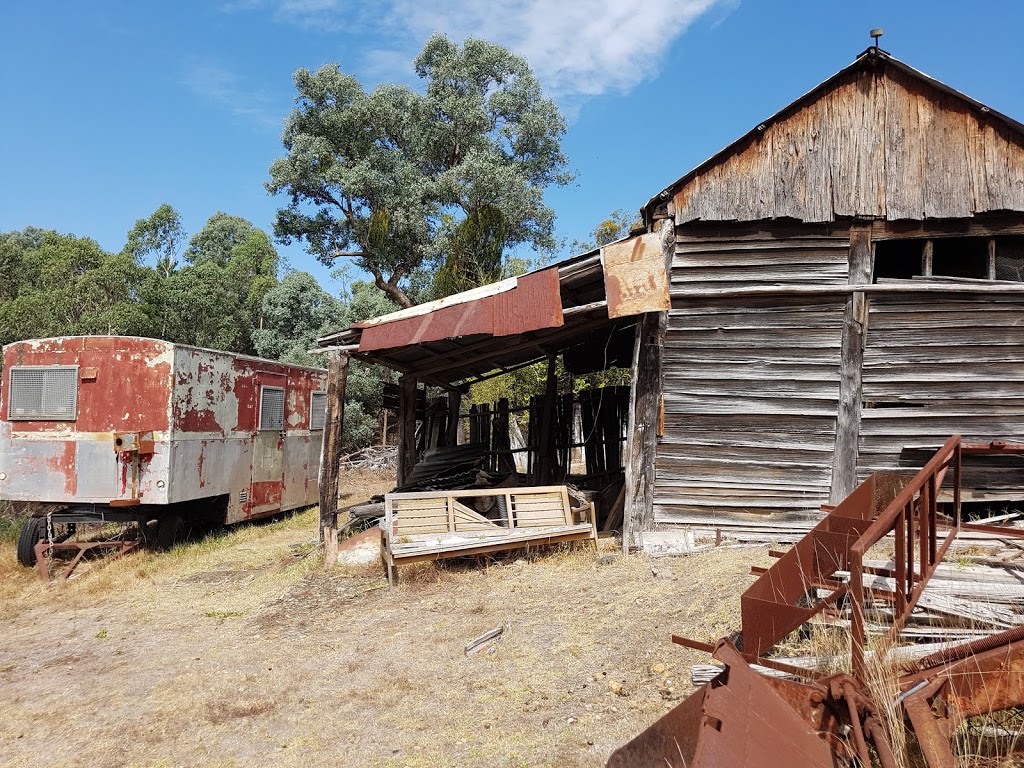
pixel 837 713
pixel 44 549
pixel 969 680
pixel 913 518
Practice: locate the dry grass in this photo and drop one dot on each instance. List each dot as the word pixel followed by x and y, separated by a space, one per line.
pixel 240 650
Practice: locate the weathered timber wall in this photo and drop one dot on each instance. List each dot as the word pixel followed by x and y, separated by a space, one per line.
pixel 879 144
pixel 937 367
pixel 751 386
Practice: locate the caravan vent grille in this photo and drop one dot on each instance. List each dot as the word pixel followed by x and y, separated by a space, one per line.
pixel 318 410
pixel 272 408
pixel 49 393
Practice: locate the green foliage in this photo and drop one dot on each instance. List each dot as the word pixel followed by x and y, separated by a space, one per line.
pixel 615 227
pixel 57 284
pixel 474 255
pixel 223 295
pixel 216 299
pixel 296 312
pixel 215 241
pixel 159 236
pixel 395 172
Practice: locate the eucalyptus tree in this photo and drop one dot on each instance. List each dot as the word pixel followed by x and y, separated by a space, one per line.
pixel 160 236
pixel 389 176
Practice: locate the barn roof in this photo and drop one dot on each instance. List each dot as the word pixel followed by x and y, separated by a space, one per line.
pixel 879 139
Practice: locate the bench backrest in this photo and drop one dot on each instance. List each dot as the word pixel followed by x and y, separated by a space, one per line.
pixel 433 512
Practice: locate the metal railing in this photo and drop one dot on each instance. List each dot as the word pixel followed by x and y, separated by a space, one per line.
pixel 912 517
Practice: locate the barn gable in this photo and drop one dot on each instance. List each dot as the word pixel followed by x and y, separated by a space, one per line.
pixel 879 140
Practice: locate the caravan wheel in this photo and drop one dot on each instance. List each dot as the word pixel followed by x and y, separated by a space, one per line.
pixel 32 532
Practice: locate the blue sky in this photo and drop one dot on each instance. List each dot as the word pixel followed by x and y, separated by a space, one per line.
pixel 112 107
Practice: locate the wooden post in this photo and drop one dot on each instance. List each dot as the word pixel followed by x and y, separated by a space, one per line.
pixel 545 445
pixel 454 404
pixel 644 412
pixel 851 374
pixel 406 427
pixel 330 453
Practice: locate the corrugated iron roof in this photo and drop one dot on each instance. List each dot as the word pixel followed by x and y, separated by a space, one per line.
pixel 497 327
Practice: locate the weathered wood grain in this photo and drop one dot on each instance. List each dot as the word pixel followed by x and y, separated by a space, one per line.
pixel 330 454
pixel 936 368
pixel 878 144
pixel 645 395
pixel 406 427
pixel 751 387
pixel 855 322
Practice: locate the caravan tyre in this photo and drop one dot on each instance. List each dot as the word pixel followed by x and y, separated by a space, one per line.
pixel 32 532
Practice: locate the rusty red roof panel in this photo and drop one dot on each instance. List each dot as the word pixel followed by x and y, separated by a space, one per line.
pixel 533 304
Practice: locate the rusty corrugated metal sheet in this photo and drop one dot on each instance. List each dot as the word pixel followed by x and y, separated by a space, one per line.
pixel 534 303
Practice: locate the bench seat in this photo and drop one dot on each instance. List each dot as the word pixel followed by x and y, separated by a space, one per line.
pixel 431 525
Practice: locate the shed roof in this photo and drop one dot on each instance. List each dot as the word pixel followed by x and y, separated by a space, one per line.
pixel 879 139
pixel 500 326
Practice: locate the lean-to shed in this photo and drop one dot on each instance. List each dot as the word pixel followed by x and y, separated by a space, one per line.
pixel 831 294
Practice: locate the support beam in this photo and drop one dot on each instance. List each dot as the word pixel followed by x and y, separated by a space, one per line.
pixel 851 375
pixel 330 453
pixel 454 405
pixel 644 413
pixel 406 427
pixel 545 446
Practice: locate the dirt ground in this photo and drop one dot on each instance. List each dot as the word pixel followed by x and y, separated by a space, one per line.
pixel 241 650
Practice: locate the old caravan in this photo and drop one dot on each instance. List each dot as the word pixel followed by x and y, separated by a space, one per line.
pixel 115 428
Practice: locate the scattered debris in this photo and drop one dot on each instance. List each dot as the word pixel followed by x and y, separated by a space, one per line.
pixel 751 711
pixel 376 458
pixel 486 639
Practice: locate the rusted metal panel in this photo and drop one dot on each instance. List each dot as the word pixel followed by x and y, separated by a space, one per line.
pixel 738 719
pixel 158 423
pixel 635 276
pixel 533 304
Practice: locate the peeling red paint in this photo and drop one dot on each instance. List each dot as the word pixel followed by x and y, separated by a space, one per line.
pixel 179 398
pixel 533 304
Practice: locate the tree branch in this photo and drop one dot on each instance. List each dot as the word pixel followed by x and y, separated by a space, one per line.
pixel 390 287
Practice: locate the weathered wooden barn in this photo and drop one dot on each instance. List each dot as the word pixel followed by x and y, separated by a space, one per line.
pixel 831 294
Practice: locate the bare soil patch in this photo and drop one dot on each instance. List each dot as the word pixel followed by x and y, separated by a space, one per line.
pixel 241 651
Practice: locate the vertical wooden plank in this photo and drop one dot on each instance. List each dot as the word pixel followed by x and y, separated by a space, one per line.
pixel 947 183
pixel 545 446
pixel 992 258
pixel 904 153
pixel 927 258
pixel 851 375
pixel 644 402
pixel 454 404
pixel 330 453
pixel 856 146
pixel 406 427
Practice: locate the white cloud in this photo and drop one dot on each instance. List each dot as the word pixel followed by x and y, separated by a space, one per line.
pixel 577 48
pixel 220 85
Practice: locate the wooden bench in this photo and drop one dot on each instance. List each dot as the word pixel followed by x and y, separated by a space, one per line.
pixel 430 525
